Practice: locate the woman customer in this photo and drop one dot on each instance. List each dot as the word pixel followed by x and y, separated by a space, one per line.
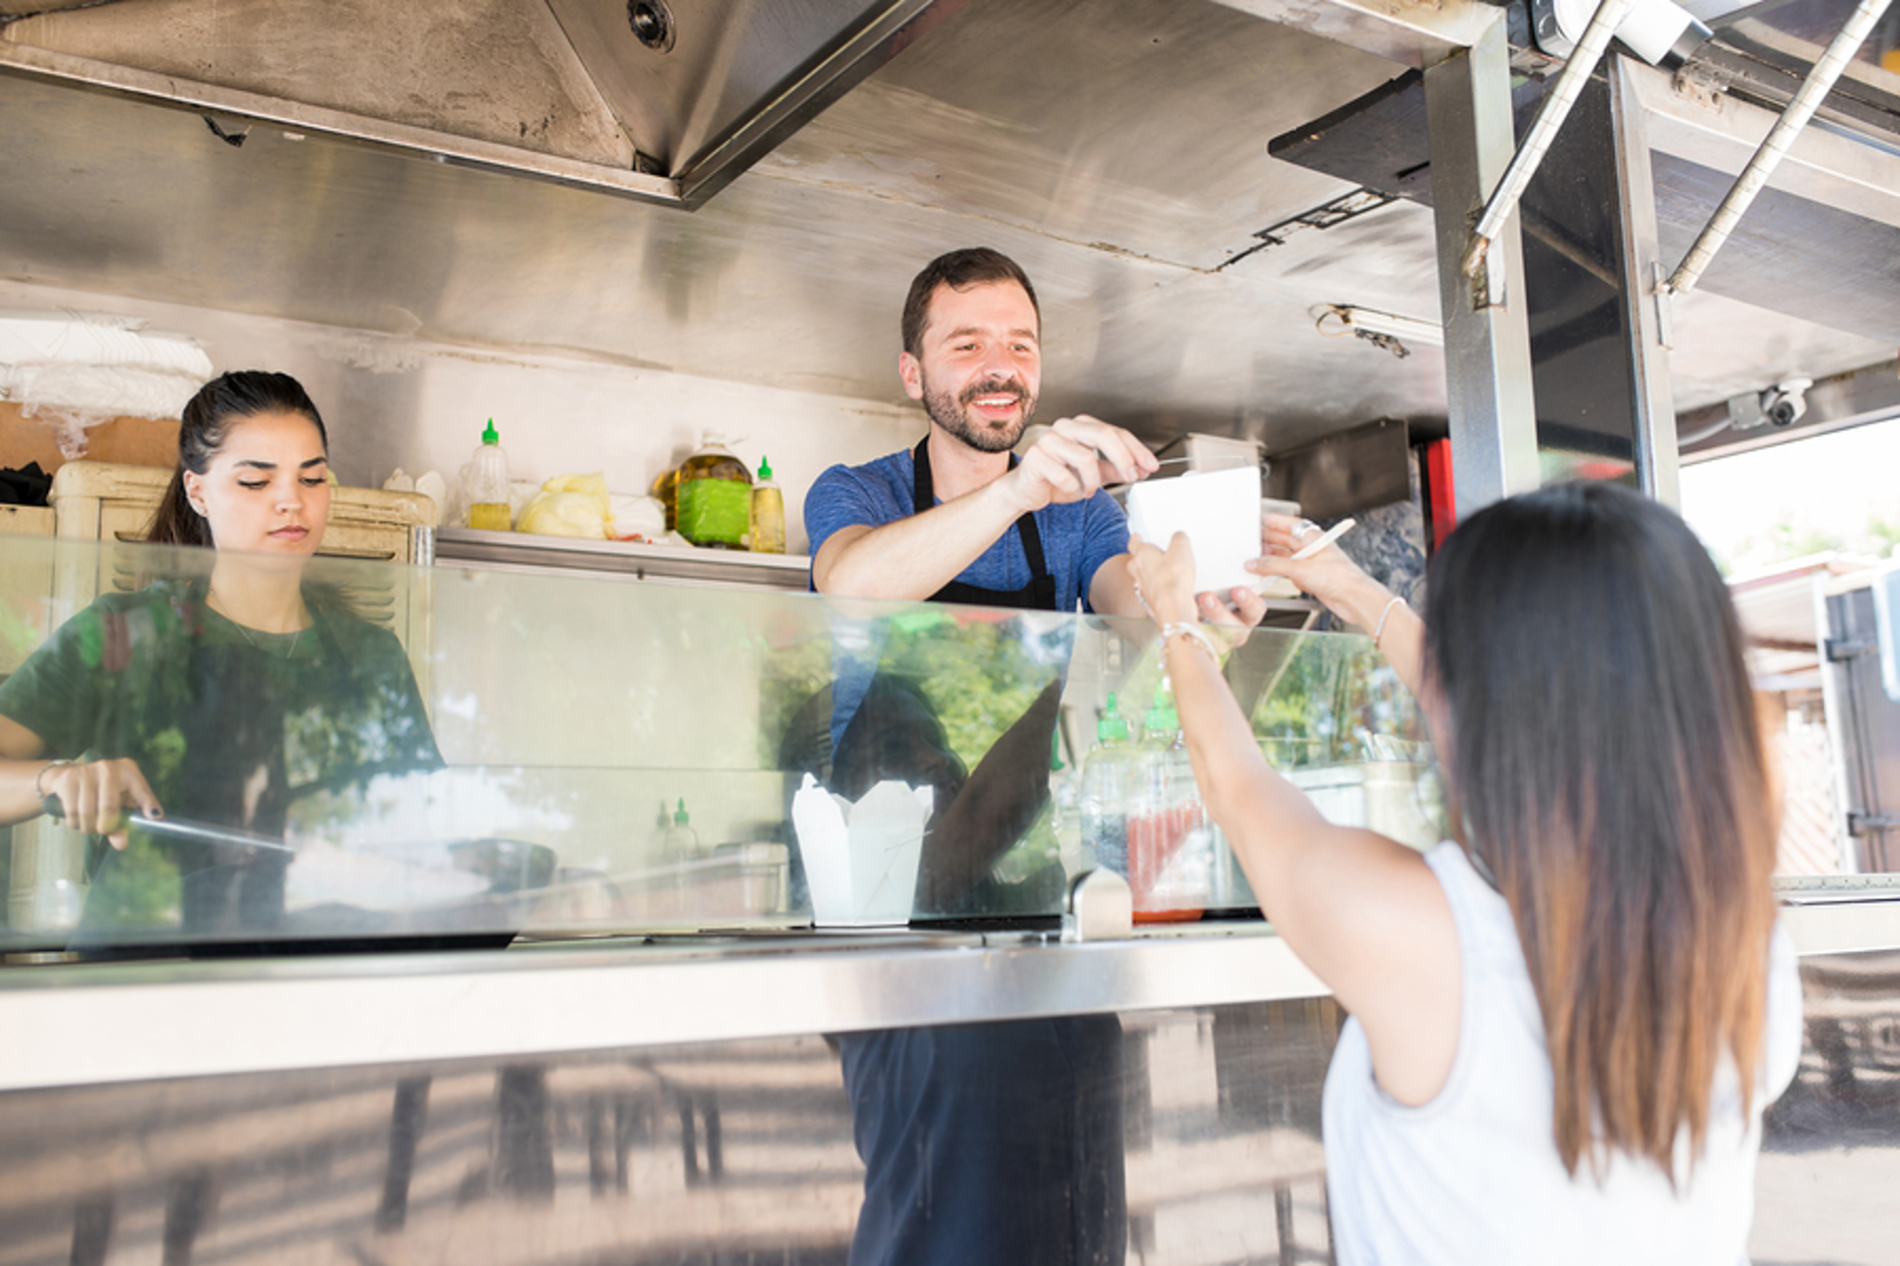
pixel 224 693
pixel 1567 1021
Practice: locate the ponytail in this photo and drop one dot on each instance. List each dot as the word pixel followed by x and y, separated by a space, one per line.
pixel 176 523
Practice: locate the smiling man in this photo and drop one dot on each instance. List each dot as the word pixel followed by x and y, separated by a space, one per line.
pixel 939 1114
pixel 959 518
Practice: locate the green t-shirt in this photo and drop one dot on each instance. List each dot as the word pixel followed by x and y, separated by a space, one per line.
pixel 230 726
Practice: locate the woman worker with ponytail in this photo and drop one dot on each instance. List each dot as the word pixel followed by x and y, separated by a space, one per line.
pixel 1567 1021
pixel 219 699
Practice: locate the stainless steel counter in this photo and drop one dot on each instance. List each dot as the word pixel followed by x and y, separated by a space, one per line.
pixel 83 1024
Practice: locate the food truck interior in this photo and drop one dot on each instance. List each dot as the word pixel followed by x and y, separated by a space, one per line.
pixel 613 226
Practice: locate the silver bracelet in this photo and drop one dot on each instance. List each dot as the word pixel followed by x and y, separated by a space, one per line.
pixel 1379 629
pixel 1194 631
pixel 41 776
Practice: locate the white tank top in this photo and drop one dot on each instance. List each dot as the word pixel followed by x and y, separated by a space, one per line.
pixel 1473 1176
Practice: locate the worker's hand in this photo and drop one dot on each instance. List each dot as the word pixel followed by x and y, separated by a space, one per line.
pixel 94 795
pixel 1073 459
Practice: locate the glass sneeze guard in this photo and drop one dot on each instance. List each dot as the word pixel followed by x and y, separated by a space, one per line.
pixel 449 757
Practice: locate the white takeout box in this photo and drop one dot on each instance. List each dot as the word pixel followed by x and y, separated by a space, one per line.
pixel 1220 512
pixel 861 859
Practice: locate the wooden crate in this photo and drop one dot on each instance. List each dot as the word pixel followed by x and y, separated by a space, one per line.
pixel 27 520
pixel 107 501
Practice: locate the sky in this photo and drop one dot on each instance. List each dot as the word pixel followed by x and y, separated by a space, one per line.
pixel 1830 485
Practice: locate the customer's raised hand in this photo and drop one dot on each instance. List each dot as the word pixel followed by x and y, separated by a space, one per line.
pixel 1329 575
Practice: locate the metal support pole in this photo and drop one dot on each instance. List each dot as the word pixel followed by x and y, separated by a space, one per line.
pixel 1537 142
pixel 1487 335
pixel 1645 312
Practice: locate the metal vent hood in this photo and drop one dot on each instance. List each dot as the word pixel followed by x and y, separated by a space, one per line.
pixel 665 101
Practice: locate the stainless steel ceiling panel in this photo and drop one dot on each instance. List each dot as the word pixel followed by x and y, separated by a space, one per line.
pixel 230 113
pixel 1413 34
pixel 780 283
pixel 1116 147
pixel 1724 348
pixel 500 71
pixel 1788 253
pixel 1138 127
pixel 693 89
pixel 18 8
pixel 721 59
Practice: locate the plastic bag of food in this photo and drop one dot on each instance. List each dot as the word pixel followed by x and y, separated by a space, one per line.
pixel 568 505
pixel 637 518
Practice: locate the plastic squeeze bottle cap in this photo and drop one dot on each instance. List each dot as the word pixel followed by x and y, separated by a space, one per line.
pixel 1162 715
pixel 1111 728
pixel 765 467
pixel 489 434
pixel 679 817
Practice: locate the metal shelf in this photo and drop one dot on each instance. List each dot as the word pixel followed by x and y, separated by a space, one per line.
pixel 527 552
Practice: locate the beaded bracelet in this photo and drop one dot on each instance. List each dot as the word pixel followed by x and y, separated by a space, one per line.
pixel 1194 631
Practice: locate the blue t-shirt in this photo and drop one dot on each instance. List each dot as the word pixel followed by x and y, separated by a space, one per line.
pixel 1077 537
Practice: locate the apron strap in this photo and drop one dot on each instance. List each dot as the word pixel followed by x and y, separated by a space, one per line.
pixel 924 497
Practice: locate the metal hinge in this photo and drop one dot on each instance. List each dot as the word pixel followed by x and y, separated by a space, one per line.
pixel 1867 823
pixel 1838 649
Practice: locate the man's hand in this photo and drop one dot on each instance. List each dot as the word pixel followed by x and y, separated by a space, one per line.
pixel 1075 458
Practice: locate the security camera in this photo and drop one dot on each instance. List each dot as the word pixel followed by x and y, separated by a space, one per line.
pixel 1786 402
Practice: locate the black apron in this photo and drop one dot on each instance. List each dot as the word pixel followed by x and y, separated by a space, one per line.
pixel 981 1142
pixel 1038 595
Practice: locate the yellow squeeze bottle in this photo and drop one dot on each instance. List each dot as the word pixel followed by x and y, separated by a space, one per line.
pixel 488 485
pixel 768 513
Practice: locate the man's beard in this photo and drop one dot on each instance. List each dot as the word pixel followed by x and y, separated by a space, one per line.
pixel 952 413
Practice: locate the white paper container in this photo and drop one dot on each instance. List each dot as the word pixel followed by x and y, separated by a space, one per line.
pixel 1219 511
pixel 861 859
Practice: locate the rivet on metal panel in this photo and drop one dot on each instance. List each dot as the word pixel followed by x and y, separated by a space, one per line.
pixel 652 24
pixel 1698 84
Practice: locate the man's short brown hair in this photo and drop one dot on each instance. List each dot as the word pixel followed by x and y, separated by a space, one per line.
pixel 959 270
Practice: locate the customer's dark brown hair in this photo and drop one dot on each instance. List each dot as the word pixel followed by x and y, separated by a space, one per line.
pixel 221 403
pixel 959 270
pixel 1606 764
